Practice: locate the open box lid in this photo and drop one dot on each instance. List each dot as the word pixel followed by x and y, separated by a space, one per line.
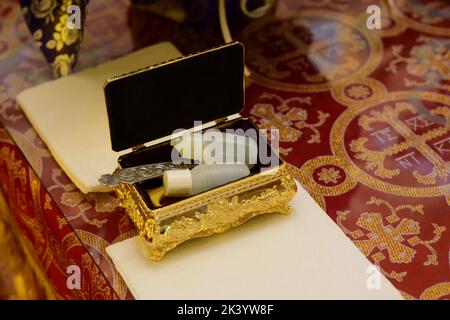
pixel 151 103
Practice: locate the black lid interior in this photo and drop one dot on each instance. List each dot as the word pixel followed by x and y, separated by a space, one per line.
pixel 152 103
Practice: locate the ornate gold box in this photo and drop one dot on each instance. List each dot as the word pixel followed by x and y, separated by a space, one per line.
pixel 147 105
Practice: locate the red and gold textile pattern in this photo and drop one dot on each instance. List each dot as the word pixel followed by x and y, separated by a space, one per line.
pixel 18 280
pixel 47 240
pixel 363 119
pixel 362 116
pixel 58 224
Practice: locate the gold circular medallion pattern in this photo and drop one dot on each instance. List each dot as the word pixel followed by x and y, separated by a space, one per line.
pixel 396 145
pixel 310 51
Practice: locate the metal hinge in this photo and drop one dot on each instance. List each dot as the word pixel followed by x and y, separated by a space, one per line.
pixel 138 147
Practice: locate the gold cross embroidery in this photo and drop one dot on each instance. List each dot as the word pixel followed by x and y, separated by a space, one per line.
pixel 390 236
pixel 375 159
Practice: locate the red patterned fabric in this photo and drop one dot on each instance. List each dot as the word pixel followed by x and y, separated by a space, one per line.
pixel 362 117
pixel 54 242
pixel 64 226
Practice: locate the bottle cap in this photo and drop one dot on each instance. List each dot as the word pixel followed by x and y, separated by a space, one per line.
pixel 177 183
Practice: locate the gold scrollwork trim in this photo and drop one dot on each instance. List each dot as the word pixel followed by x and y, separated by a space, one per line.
pixel 208 213
pixel 342 94
pixel 228 190
pixel 224 214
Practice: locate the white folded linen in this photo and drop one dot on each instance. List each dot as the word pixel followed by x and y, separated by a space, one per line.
pixel 70 115
pixel 301 256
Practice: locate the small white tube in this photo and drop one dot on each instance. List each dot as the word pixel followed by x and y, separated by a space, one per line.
pixel 201 178
pixel 177 183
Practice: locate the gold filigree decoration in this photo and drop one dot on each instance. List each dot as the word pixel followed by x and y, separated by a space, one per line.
pixel 92 281
pixel 224 214
pixel 358 92
pixel 397 241
pixel 374 159
pixel 127 200
pixel 208 213
pixel 289 120
pixel 47 247
pixel 428 61
pixel 48 202
pixel 329 175
pixel 306 175
pixel 99 244
pixel 17 278
pixel 61 222
pixel 414 137
pixel 15 169
pixel 355 91
pixel 390 116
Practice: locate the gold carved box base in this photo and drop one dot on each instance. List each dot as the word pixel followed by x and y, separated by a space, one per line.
pixel 208 213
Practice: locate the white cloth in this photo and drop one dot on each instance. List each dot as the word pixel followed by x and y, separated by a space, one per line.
pixel 304 255
pixel 70 115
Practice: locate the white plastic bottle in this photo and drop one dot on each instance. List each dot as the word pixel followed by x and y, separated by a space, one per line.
pixel 182 183
pixel 215 147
